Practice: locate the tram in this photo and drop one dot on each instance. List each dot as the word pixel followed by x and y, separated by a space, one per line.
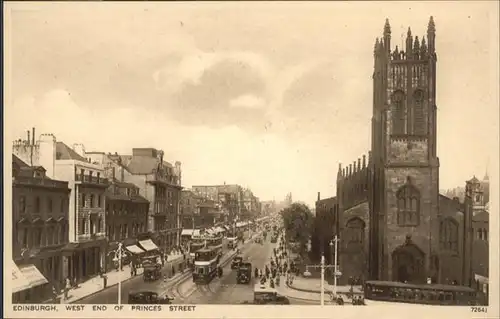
pixel 215 243
pixel 383 292
pixel 194 246
pixel 206 263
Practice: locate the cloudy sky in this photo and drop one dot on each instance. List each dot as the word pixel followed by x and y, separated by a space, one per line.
pixel 267 95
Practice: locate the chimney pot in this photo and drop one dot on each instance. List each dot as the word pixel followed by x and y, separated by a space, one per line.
pixel 33 136
pixel 29 139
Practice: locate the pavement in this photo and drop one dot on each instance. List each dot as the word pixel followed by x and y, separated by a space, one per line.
pixel 309 289
pixel 93 291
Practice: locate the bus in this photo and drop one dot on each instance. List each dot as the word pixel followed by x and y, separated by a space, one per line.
pixel 194 246
pixel 215 243
pixel 383 292
pixel 206 262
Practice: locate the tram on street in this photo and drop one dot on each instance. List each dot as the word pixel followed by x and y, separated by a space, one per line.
pixel 383 292
pixel 194 246
pixel 215 243
pixel 206 262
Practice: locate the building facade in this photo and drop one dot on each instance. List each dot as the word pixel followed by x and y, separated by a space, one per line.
pixel 40 229
pixel 126 216
pixel 84 255
pixel 159 182
pixel 229 197
pixel 393 223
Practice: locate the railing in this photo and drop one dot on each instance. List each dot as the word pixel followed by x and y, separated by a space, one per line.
pixel 156 177
pixel 40 182
pixel 90 179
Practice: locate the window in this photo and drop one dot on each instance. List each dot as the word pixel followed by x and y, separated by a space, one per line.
pixel 22 205
pixel 99 225
pixel 37 205
pixel 355 231
pixel 49 238
pixel 84 201
pixel 408 203
pixel 92 203
pixel 478 198
pixel 22 236
pixel 49 206
pixel 480 234
pixel 63 202
pixel 81 226
pixel 448 234
pixel 82 173
pixel 37 236
pixel 485 234
pixel 399 113
pixel 98 176
pixel 99 201
pixel 92 226
pixel 419 127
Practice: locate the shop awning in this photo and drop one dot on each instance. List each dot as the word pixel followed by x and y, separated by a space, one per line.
pixel 33 275
pixel 196 232
pixel 187 232
pixel 134 249
pixel 19 281
pixel 148 245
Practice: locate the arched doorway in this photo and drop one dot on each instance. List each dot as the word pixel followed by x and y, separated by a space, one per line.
pixel 408 264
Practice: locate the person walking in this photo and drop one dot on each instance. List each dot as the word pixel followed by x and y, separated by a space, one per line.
pixel 67 287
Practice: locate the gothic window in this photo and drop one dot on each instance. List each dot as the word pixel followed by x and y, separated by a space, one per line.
pixel 408 203
pixel 355 231
pixel 419 127
pixel 399 113
pixel 448 235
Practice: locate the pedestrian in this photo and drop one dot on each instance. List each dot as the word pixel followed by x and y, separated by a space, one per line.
pixel 67 287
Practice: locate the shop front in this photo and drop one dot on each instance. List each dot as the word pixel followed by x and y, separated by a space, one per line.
pixel 29 284
pixel 84 260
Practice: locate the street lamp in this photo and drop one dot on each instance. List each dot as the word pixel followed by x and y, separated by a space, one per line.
pixel 323 266
pixel 119 254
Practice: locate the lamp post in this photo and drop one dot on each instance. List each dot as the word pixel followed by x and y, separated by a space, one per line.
pixel 119 254
pixel 323 266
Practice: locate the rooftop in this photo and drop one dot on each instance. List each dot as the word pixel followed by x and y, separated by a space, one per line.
pixel 64 152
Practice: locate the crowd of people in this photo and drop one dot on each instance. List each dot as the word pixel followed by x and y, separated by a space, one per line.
pixel 277 267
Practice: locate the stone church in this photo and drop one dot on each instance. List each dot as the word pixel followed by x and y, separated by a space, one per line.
pixel 392 222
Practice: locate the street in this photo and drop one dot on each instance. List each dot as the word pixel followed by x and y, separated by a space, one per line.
pixel 225 290
pixel 110 295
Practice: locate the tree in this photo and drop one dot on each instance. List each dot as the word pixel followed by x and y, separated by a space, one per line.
pixel 298 222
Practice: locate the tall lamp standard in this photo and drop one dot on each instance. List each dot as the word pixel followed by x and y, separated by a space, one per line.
pixel 323 266
pixel 119 254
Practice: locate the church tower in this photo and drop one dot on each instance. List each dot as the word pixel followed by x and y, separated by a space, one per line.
pixel 405 167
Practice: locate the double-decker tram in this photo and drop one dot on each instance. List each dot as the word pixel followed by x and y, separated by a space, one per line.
pixel 384 292
pixel 194 246
pixel 206 262
pixel 215 243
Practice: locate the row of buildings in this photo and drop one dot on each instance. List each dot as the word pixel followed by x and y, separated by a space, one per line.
pixel 71 208
pixel 208 206
pixel 392 222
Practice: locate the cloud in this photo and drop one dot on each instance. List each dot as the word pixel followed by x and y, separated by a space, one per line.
pixel 247 101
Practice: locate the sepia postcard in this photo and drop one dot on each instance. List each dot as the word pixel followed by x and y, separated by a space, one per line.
pixel 251 159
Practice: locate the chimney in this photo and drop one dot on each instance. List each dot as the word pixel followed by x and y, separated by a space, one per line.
pixel 359 164
pixel 364 161
pixel 33 136
pixel 48 154
pixel 319 196
pixel 29 139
